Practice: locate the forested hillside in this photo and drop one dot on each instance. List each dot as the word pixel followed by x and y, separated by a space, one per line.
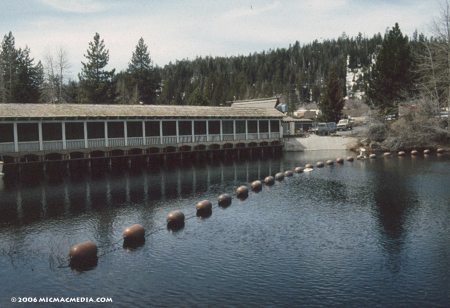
pixel 297 72
pixel 299 69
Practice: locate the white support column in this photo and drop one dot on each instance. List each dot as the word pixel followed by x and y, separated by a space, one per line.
pixel 160 132
pixel 221 131
pixel 270 133
pixel 41 142
pixel 178 134
pixel 63 127
pixel 246 129
pixel 144 142
pixel 257 127
pixel 106 134
pixel 86 143
pixel 234 129
pixel 280 128
pixel 207 130
pixel 193 130
pixel 16 138
pixel 125 132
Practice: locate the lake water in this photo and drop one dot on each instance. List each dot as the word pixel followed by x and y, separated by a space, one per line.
pixel 372 233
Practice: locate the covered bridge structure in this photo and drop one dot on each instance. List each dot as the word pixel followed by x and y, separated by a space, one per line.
pixel 41 132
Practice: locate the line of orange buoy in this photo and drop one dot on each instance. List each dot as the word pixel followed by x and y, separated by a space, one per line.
pixel 85 254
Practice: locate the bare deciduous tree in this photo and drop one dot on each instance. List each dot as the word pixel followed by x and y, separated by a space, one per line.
pixel 49 87
pixel 55 71
pixel 434 63
pixel 63 65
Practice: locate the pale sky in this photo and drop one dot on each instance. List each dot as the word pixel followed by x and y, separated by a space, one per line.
pixel 177 30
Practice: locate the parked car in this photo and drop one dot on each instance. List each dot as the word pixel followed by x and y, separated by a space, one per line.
pixel 360 121
pixel 324 129
pixel 344 124
pixel 389 118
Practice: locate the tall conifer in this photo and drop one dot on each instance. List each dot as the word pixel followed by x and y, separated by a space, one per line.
pixel 391 81
pixel 142 76
pixel 95 85
pixel 331 103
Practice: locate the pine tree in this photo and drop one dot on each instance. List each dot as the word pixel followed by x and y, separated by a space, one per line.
pixel 95 86
pixel 197 98
pixel 142 76
pixel 27 87
pixel 391 81
pixel 9 57
pixel 331 102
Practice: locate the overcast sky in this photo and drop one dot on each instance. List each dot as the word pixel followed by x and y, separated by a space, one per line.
pixel 176 30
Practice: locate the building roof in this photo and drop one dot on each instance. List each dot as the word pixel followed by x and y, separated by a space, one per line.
pixel 8 111
pixel 291 119
pixel 272 102
pixel 307 114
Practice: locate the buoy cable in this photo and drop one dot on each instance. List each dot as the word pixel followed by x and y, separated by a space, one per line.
pixel 154 230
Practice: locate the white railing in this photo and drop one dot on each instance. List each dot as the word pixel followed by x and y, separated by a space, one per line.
pixel 133 141
pixel 96 143
pixel 214 138
pixel 263 135
pixel 7 147
pixel 241 136
pixel 228 137
pixel 275 135
pixel 116 142
pixel 153 140
pixel 200 138
pixel 53 145
pixel 169 139
pixel 33 146
pixel 75 144
pixel 252 136
pixel 29 146
pixel 185 139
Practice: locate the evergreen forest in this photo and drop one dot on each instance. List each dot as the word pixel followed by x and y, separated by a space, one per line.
pixel 298 73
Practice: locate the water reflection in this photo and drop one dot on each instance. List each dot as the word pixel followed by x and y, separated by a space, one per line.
pixel 370 233
pixel 45 195
pixel 395 203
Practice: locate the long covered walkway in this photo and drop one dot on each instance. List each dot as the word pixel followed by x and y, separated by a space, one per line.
pixel 40 132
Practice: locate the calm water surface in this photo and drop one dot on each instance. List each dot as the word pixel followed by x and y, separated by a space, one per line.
pixel 371 233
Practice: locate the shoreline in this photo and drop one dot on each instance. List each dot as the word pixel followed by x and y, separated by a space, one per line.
pixel 316 143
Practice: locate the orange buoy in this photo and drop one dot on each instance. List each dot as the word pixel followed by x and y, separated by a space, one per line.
pixel 204 208
pixel 242 192
pixel 224 200
pixel 279 176
pixel 256 186
pixel 309 166
pixel 330 162
pixel 270 180
pixel 373 156
pixel 299 169
pixel 359 157
pixel 133 236
pixel 401 153
pixel 84 254
pixel 440 151
pixel 350 158
pixel 414 152
pixel 175 220
pixel 288 173
pixel 320 164
pixel 134 232
pixel 340 160
pixel 386 154
pixel 426 151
